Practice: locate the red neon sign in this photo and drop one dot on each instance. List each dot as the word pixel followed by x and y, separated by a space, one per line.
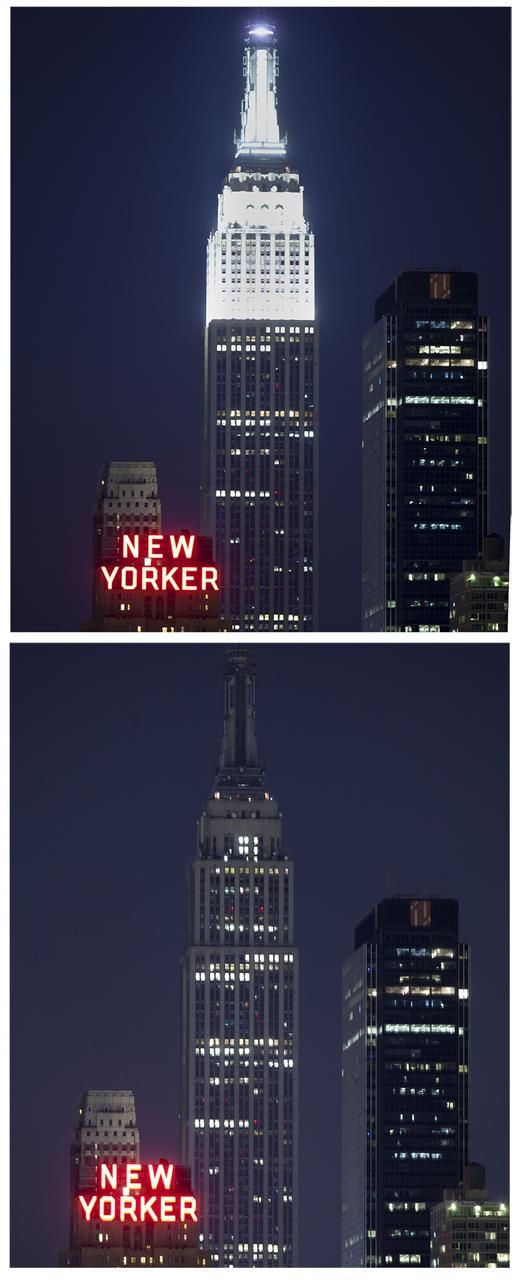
pixel 137 1193
pixel 159 562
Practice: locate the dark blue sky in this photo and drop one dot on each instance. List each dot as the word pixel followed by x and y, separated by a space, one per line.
pixel 390 764
pixel 123 122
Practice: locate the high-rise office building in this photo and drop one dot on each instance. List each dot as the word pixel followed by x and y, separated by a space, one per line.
pixel 479 594
pixel 424 448
pixel 260 447
pixel 404 1078
pixel 240 1006
pixel 467 1228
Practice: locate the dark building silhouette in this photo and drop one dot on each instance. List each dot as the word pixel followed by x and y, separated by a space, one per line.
pixel 260 445
pixel 479 594
pixel 424 448
pixel 405 1061
pixel 240 1006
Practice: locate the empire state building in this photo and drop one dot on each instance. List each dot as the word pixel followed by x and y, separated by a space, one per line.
pixel 240 1006
pixel 260 444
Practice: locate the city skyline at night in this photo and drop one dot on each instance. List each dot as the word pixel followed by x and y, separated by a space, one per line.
pixel 114 253
pixel 259 882
pixel 107 785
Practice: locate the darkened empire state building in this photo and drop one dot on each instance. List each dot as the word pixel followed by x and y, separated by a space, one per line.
pixel 260 458
pixel 240 1006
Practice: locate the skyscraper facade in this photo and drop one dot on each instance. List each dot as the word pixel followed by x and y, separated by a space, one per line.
pixel 260 444
pixel 240 1006
pixel 106 1130
pixel 405 1060
pixel 127 502
pixel 424 448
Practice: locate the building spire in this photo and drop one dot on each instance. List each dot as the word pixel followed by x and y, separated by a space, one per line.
pixel 239 760
pixel 260 136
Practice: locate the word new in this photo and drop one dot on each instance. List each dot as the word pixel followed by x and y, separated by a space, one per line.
pixel 121 1203
pixel 149 576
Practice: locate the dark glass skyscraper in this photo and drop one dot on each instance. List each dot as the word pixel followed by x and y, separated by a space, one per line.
pixel 405 1060
pixel 240 1006
pixel 260 449
pixel 424 448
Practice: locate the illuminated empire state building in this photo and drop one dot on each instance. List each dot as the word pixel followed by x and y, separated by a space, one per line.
pixel 240 1006
pixel 260 458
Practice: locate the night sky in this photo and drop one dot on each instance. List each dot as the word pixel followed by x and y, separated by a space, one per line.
pixel 123 121
pixel 390 765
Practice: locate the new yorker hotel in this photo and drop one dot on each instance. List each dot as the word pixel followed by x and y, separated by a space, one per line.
pixel 260 468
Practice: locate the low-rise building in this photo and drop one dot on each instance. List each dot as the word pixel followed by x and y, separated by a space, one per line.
pixel 479 594
pixel 467 1228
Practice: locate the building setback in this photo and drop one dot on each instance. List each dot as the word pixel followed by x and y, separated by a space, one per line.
pixel 240 1006
pixel 469 1229
pixel 260 444
pixel 404 1078
pixel 424 448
